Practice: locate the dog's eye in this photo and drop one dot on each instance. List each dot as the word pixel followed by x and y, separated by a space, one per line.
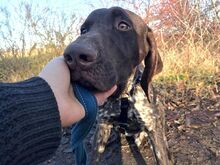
pixel 83 30
pixel 123 26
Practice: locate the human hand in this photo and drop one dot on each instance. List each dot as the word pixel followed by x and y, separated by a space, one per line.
pixel 101 97
pixel 57 75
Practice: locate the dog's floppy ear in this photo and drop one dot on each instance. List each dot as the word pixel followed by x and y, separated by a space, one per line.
pixel 153 63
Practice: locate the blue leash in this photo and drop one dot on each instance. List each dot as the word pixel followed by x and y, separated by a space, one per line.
pixel 81 129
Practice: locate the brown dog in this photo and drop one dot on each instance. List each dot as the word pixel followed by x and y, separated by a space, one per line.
pixel 112 43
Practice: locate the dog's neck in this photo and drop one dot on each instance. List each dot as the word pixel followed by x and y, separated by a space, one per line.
pixel 132 82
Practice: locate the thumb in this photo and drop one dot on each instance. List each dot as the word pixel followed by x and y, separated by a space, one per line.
pixel 102 96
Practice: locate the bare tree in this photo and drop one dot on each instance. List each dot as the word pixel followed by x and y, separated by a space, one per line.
pixel 32 28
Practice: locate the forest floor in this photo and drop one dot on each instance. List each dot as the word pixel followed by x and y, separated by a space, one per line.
pixel 192 130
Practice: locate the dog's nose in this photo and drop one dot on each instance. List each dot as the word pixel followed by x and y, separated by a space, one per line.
pixel 79 55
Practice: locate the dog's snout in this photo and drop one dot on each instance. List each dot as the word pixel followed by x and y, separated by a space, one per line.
pixel 87 58
pixel 68 58
pixel 81 55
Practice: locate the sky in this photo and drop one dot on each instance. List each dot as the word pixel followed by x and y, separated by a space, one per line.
pixel 81 8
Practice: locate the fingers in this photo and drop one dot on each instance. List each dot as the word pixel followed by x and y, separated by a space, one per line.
pixel 101 97
pixel 110 92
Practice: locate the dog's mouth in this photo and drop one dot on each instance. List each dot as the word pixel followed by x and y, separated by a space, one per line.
pixel 89 84
pixel 92 80
pixel 97 84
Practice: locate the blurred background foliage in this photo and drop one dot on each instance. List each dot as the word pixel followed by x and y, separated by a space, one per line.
pixel 187 33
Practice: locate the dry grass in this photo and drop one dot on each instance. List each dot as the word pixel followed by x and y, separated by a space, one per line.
pixel 190 63
pixel 193 63
pixel 190 58
pixel 19 68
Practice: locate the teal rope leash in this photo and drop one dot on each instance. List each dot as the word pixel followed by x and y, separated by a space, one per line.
pixel 81 129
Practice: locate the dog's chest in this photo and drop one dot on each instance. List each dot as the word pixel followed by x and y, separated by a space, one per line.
pixel 133 116
pixel 139 112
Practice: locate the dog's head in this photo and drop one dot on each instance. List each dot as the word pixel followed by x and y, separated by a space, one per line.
pixel 112 43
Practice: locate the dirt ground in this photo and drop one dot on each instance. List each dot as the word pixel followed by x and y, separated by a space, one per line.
pixel 193 132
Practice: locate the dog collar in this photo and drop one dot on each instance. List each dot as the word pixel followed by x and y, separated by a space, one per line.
pixel 136 80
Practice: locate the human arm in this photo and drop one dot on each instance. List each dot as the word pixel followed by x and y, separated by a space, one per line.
pixel 32 111
pixel 57 75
